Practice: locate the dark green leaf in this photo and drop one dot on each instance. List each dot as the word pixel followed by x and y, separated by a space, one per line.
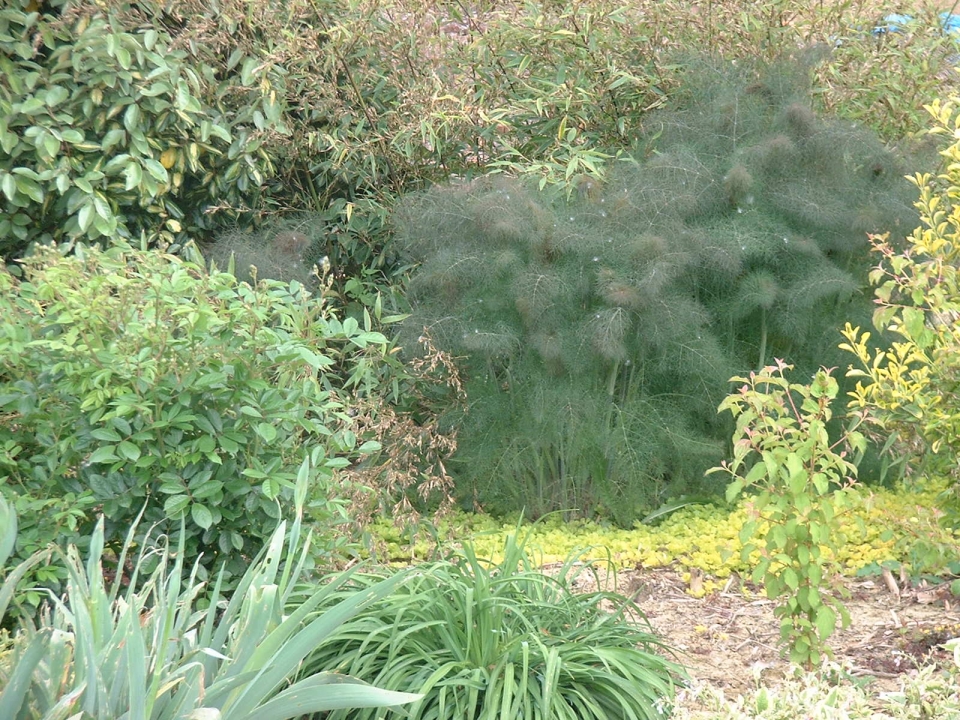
pixel 105 454
pixel 175 504
pixel 129 450
pixel 201 515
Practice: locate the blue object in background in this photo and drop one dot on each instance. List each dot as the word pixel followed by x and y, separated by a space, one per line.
pixel 892 23
pixel 895 22
pixel 950 23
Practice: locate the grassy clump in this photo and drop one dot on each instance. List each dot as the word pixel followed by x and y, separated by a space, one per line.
pixel 150 646
pixel 489 640
pixel 599 331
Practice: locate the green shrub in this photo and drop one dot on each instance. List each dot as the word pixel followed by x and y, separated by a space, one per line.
pixel 256 110
pixel 599 332
pixel 765 29
pixel 324 107
pixel 152 651
pixel 537 87
pixel 108 130
pixel 136 380
pixel 880 79
pixel 481 640
pixel 782 448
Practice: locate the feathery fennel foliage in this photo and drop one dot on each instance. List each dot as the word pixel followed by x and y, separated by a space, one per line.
pixel 599 330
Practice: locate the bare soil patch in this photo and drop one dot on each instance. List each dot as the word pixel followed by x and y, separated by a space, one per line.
pixel 730 639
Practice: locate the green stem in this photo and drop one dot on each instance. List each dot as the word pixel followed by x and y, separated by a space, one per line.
pixel 763 339
pixel 611 389
pixel 612 380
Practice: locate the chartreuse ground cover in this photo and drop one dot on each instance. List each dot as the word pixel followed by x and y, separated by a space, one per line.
pixel 886 527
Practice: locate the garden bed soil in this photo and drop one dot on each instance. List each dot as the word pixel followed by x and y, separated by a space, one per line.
pixel 729 639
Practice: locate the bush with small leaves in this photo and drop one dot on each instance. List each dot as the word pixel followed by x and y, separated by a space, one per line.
pixel 908 393
pixel 803 479
pixel 133 380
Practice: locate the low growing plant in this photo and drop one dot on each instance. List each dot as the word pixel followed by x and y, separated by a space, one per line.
pixel 483 640
pixel 150 650
pixel 929 693
pixel 887 529
pixel 803 482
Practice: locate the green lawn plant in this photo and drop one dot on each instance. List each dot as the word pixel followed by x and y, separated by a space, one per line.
pixel 137 381
pixel 908 393
pixel 146 646
pixel 802 480
pixel 482 640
